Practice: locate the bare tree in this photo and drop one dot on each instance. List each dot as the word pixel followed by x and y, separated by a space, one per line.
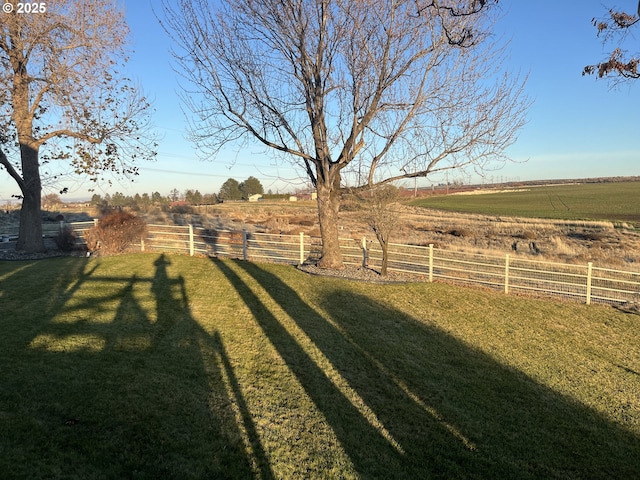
pixel 616 27
pixel 51 200
pixel 390 89
pixel 65 106
pixel 381 216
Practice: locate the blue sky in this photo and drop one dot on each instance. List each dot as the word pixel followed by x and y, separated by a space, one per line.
pixel 578 126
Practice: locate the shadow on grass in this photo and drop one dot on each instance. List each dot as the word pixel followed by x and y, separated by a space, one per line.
pixel 144 393
pixel 440 408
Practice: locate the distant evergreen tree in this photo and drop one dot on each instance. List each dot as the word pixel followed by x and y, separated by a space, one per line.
pixel 230 190
pixel 251 186
pixel 157 199
pixel 145 202
pixel 96 200
pixel 174 195
pixel 193 197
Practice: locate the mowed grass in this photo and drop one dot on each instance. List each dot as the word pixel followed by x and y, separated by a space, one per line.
pixel 616 202
pixel 160 366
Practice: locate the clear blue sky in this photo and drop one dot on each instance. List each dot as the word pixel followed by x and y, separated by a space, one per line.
pixel 578 126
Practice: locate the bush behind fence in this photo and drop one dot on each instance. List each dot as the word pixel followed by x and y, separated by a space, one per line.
pixel 585 283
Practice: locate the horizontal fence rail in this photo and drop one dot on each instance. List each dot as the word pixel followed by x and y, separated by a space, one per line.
pixel 586 283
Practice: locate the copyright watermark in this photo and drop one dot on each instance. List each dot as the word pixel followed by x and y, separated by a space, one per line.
pixel 25 7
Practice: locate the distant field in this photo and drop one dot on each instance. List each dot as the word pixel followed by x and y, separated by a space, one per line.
pixel 618 202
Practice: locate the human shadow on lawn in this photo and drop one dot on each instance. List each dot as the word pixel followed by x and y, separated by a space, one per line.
pixel 139 393
pixel 443 408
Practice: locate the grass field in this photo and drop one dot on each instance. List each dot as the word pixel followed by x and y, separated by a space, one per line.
pixel 155 366
pixel 617 202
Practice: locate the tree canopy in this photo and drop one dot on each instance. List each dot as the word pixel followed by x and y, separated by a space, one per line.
pixel 65 107
pixel 251 186
pixel 615 28
pixel 231 189
pixel 362 92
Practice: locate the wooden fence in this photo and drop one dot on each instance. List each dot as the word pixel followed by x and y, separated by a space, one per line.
pixel 586 283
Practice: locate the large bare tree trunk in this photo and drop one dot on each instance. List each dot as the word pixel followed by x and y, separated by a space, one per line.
pixel 328 207
pixel 30 235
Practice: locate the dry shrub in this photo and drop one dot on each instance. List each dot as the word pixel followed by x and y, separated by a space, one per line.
pixel 66 239
pixel 562 248
pixel 115 232
pixel 182 209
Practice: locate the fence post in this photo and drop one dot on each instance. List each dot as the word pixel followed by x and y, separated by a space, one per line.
pixel 365 254
pixel 191 249
pixel 301 248
pixel 142 244
pixel 589 271
pixel 244 244
pixel 506 273
pixel 431 262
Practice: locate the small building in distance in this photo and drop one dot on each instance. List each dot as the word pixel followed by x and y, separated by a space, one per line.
pixel 303 196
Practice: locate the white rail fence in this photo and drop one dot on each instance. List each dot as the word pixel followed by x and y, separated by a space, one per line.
pixel 585 283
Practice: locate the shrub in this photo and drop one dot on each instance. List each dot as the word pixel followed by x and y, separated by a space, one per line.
pixel 182 209
pixel 115 232
pixel 66 239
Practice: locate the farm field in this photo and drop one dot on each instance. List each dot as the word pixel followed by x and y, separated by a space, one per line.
pixel 615 202
pixel 613 243
pixel 167 366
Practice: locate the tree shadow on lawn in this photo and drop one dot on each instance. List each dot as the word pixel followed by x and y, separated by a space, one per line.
pixel 440 407
pixel 135 393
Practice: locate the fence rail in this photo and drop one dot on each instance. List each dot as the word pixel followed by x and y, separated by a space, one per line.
pixel 586 283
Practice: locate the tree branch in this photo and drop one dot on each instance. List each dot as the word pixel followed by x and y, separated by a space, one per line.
pixel 4 161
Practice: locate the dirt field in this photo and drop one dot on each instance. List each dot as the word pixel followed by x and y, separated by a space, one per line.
pixel 535 239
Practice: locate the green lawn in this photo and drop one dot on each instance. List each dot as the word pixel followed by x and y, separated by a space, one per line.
pixel 155 366
pixel 618 202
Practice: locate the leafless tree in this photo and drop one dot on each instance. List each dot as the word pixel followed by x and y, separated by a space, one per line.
pixel 615 28
pixel 64 101
pixel 379 205
pixel 389 88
